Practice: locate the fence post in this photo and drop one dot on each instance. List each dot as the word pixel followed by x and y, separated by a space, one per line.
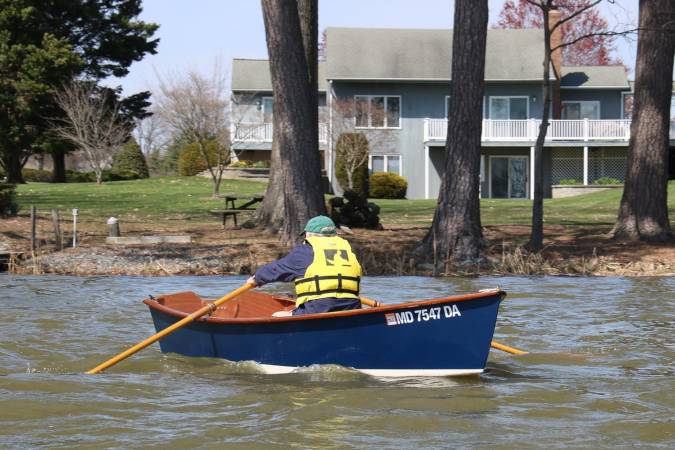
pixel 33 224
pixel 57 229
pixel 74 227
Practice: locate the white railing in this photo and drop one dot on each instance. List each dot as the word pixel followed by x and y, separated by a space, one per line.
pixel 262 132
pixel 527 130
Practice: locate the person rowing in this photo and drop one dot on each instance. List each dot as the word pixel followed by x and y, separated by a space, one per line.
pixel 326 272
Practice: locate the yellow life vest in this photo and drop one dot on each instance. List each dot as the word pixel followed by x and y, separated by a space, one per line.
pixel 334 272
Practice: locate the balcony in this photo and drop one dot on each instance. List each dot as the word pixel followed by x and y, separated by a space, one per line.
pixel 526 130
pixel 262 132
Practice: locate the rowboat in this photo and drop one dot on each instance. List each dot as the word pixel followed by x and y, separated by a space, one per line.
pixel 437 337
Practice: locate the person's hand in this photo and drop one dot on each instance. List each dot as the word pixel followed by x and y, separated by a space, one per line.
pixel 251 281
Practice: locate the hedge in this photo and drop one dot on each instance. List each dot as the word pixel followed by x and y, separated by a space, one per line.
pixel 387 185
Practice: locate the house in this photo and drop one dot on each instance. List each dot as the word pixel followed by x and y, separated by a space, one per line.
pixel 397 83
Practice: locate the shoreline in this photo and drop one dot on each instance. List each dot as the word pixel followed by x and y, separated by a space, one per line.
pixel 586 252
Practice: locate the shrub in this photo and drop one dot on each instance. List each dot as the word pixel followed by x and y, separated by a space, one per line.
pixel 130 159
pixel 261 165
pixel 8 205
pixel 80 177
pixel 387 185
pixel 352 146
pixel 37 176
pixel 569 181
pixel 191 162
pixel 354 210
pixel 109 175
pixel 607 180
pixel 242 163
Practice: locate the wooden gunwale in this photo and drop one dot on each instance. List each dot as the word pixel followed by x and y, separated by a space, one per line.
pixel 154 304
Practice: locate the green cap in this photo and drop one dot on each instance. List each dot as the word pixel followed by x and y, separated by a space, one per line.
pixel 320 225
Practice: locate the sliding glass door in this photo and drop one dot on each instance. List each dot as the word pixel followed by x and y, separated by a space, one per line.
pixel 508 176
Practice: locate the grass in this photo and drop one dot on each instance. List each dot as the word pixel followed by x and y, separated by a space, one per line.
pixel 169 197
pixel 190 198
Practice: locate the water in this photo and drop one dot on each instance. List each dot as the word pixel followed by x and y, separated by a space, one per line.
pixel 600 374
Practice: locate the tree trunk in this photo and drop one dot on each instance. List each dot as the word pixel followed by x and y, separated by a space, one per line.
pixel 455 234
pixel 13 166
pixel 643 213
pixel 59 160
pixel 295 156
pixel 537 232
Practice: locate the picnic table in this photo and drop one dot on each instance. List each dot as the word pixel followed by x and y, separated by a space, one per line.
pixel 232 209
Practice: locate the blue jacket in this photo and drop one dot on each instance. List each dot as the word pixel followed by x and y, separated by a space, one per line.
pixel 292 266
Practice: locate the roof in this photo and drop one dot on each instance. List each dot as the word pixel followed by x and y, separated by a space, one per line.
pixel 594 77
pixel 416 54
pixel 254 75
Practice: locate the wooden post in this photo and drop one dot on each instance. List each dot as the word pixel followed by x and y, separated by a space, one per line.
pixel 57 229
pixel 33 223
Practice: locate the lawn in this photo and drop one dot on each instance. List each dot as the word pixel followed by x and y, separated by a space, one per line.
pixel 154 197
pixel 190 198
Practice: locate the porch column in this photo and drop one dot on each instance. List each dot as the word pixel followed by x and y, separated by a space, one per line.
pixel 426 171
pixel 531 173
pixel 585 165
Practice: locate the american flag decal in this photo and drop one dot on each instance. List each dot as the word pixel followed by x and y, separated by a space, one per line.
pixel 391 319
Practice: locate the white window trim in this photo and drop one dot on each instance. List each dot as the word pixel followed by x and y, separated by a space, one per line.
pixel 509 97
pixel 597 102
pixel 386 162
pixel 489 175
pixel 447 99
pixel 386 96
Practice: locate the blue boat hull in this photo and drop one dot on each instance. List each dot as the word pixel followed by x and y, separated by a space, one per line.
pixel 435 337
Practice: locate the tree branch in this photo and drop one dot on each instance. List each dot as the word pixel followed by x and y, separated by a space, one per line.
pixel 591 35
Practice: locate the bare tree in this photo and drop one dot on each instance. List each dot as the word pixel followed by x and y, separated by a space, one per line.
pixel 294 192
pixel 455 233
pixel 92 123
pixel 195 107
pixel 643 213
pixel 150 134
pixel 553 45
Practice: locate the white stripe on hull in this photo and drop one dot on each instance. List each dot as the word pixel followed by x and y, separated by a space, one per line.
pixel 275 370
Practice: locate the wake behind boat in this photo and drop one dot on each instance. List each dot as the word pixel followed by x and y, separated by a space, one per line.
pixel 437 337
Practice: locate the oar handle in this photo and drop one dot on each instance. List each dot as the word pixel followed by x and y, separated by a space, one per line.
pixel 154 338
pixel 369 302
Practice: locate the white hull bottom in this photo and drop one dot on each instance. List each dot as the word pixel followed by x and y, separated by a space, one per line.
pixel 275 370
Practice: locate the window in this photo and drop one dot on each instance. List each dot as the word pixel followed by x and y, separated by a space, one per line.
pixel 509 108
pixel 377 111
pixel 577 110
pixel 385 163
pixel 268 109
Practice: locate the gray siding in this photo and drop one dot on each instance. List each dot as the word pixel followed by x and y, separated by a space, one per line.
pixel 610 100
pixel 420 101
pixel 531 90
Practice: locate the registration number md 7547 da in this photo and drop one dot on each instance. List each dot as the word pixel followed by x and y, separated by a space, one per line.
pixel 423 315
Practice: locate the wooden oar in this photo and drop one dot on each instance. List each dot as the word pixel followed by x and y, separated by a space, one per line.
pixel 493 344
pixel 195 315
